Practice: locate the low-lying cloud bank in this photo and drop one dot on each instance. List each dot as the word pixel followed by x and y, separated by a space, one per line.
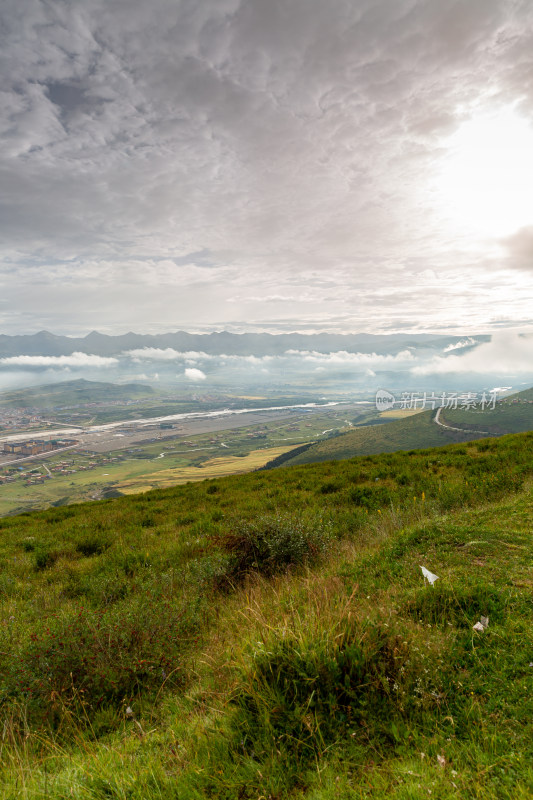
pixel 426 365
pixel 75 360
pixel 342 357
pixel 338 358
pixel 189 356
pixel 507 353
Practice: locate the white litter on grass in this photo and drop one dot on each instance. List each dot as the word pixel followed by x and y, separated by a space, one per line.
pixel 429 576
pixel 482 625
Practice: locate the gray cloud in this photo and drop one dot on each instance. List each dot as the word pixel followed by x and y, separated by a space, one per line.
pixel 193 164
pixel 519 248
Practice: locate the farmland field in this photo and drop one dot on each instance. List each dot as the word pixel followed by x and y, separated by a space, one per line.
pixel 212 468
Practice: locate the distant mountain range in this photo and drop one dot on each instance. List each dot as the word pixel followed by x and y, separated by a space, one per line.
pixel 244 344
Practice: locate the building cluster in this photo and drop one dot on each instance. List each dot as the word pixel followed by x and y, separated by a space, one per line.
pixel 34 447
pixel 59 469
pixel 516 401
pixel 20 419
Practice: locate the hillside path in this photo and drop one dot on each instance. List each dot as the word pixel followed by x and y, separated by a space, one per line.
pixel 449 427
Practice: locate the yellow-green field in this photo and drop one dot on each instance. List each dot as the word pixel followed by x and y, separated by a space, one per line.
pixel 214 468
pixel 400 413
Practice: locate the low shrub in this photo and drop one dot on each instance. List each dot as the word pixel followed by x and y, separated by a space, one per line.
pixel 28 544
pixel 370 497
pixel 92 545
pixel 44 558
pixel 330 488
pixel 271 544
pixel 101 589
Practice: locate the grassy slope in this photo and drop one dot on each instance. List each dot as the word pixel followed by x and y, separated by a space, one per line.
pixel 72 393
pixel 513 415
pixel 525 394
pixel 345 678
pixel 403 434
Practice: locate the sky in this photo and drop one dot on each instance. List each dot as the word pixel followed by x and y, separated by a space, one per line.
pixel 274 165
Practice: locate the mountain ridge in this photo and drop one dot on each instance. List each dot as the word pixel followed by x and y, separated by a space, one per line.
pixel 44 343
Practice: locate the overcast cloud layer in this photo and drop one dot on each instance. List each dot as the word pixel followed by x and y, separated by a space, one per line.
pixel 271 164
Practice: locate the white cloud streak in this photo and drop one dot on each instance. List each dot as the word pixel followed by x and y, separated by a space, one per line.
pixel 163 354
pixel 75 360
pixel 169 354
pixel 342 357
pixel 460 345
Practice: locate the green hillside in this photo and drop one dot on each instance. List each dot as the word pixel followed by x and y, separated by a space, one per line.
pixel 70 393
pixel 506 417
pixel 512 415
pixel 401 434
pixel 526 394
pixel 272 634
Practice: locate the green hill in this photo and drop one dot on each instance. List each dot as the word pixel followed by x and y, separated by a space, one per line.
pixel 272 635
pixel 401 434
pixel 512 415
pixel 70 393
pixel 525 394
